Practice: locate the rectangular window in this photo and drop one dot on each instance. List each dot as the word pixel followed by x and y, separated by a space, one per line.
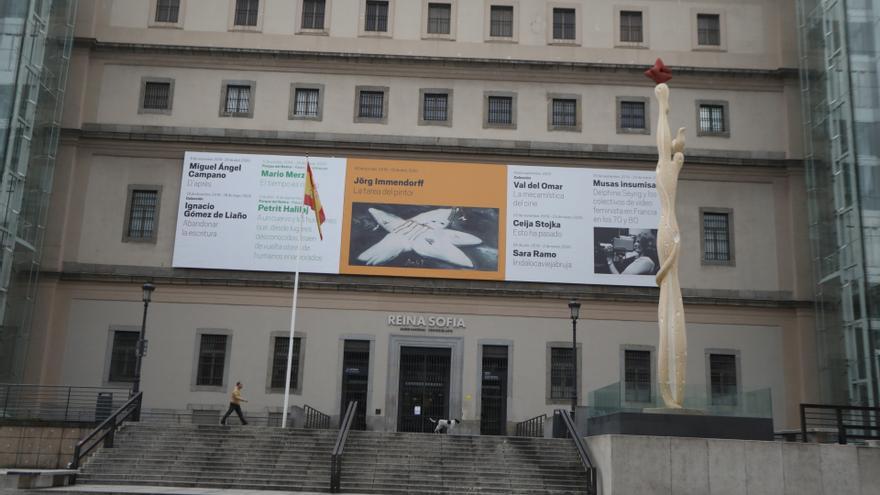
pixel 212 360
pixel 156 96
pixel 376 18
pixel 123 357
pixel 371 104
pixel 722 374
pixel 716 237
pixel 306 104
pixel 708 29
pixel 238 99
pixel 712 119
pixel 631 26
pixel 561 373
pixel 501 21
pixel 439 15
pixel 632 115
pixel 436 107
pixel 167 10
pixel 142 214
pixel 564 112
pixel 279 362
pixel 564 24
pixel 313 14
pixel 246 12
pixel 500 110
pixel 637 376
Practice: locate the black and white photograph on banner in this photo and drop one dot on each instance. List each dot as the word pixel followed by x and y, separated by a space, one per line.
pixel 418 236
pixel 622 251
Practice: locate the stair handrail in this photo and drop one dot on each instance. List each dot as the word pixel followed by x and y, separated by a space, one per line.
pixel 131 408
pixel 315 418
pixel 341 438
pixel 532 427
pixel 582 451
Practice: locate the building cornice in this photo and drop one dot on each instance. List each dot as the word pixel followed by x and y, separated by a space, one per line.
pixel 95 273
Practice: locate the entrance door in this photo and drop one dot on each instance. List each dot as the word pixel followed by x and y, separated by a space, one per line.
pixel 355 377
pixel 424 387
pixel 493 394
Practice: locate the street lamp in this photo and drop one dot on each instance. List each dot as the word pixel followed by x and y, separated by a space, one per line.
pixel 141 348
pixel 575 308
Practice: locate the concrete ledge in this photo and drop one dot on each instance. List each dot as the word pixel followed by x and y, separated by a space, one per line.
pixel 37 478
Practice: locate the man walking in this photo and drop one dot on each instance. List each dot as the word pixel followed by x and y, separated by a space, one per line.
pixel 235 401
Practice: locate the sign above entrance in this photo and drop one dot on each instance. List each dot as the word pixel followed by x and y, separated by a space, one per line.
pixel 429 323
pixel 419 219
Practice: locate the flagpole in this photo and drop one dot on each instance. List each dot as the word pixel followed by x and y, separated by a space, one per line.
pixel 293 309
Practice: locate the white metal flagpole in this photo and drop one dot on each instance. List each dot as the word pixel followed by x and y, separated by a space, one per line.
pixel 293 308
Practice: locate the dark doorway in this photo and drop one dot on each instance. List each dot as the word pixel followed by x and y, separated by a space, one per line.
pixel 493 394
pixel 424 387
pixel 355 377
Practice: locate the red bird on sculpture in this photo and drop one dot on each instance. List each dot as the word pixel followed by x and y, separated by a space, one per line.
pixel 659 72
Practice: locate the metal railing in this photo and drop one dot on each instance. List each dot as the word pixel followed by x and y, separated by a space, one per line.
pixel 533 427
pixel 339 448
pixel 583 453
pixel 59 403
pixel 106 431
pixel 315 418
pixel 848 422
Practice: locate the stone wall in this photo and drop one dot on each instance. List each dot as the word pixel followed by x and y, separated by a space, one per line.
pixel 630 464
pixel 39 447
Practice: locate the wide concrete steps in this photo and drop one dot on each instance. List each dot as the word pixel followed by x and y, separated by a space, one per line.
pixel 266 458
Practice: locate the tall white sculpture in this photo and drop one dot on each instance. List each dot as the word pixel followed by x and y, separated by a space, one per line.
pixel 672 351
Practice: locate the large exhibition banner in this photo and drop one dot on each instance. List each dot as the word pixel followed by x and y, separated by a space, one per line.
pixel 420 219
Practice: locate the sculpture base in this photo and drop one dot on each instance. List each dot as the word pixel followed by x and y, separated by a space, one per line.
pixel 681 424
pixel 670 410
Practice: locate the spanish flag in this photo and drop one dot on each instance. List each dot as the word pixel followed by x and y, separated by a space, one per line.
pixel 311 199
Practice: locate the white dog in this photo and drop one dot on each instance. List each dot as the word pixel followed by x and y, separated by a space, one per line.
pixel 444 425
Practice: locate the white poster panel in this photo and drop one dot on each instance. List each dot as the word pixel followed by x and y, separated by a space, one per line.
pixel 243 212
pixel 548 224
pixel 584 226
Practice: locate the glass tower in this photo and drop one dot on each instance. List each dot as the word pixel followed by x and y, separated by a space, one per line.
pixel 36 37
pixel 839 63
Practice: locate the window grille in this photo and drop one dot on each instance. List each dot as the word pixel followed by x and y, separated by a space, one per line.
pixel 376 19
pixel 637 376
pixel 238 99
pixel 561 373
pixel 246 12
pixel 564 24
pixel 439 15
pixel 142 214
pixel 279 363
pixel 167 10
pixel 212 360
pixel 313 14
pixel 631 26
pixel 371 104
pixel 156 95
pixel 632 115
pixel 564 113
pixel 712 119
pixel 716 237
pixel 501 21
pixel 722 375
pixel 123 358
pixel 709 29
pixel 500 110
pixel 436 107
pixel 306 102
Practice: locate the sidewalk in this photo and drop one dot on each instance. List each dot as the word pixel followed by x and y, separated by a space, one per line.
pixel 148 490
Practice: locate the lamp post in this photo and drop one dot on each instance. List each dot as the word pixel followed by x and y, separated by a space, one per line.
pixel 141 347
pixel 575 308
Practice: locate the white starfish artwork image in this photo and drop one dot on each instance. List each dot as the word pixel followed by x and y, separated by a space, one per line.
pixel 427 234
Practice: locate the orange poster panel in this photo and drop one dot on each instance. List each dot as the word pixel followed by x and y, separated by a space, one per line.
pixel 424 219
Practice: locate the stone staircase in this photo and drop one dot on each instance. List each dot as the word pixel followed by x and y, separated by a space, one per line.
pixel 299 460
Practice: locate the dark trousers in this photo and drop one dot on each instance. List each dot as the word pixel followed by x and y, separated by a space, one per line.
pixel 237 409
